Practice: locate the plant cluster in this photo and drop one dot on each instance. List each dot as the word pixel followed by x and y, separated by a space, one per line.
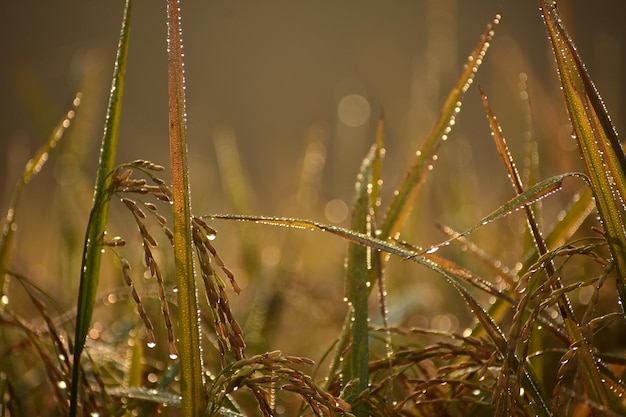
pixel 530 350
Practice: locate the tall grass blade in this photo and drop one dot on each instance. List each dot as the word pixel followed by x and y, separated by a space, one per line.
pixel 597 139
pixel 33 167
pixel 359 267
pixel 606 166
pixel 402 203
pixel 531 157
pixel 192 403
pixel 90 268
pixel 591 374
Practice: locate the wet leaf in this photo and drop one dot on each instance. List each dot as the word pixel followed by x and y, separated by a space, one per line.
pixel 360 264
pixel 33 167
pixel 402 203
pixel 90 269
pixel 597 139
pixel 605 163
pixel 192 401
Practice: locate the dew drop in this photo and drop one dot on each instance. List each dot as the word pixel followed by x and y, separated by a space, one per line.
pixel 62 385
pixel 151 345
pixel 173 356
pixel 111 298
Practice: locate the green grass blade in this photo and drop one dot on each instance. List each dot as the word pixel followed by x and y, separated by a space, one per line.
pixel 598 142
pixel 606 166
pixel 33 167
pixel 591 374
pixel 359 268
pixel 192 403
pixel 90 269
pixel 402 203
pixel 376 181
pixel 536 192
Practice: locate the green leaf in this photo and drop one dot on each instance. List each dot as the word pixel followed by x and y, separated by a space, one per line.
pixel 33 167
pixel 606 166
pixel 359 267
pixel 536 192
pixel 90 269
pixel 402 203
pixel 192 402
pixel 597 139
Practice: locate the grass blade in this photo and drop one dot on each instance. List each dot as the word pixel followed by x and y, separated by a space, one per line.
pixel 597 139
pixel 33 167
pixel 591 373
pixel 531 195
pixel 606 166
pixel 402 203
pixel 359 268
pixel 192 403
pixel 90 268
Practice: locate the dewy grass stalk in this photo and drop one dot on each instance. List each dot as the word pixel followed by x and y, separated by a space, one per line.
pixel 33 167
pixel 192 401
pixel 90 269
pixel 597 139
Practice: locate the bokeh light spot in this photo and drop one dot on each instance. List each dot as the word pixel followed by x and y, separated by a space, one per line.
pixel 336 211
pixel 354 110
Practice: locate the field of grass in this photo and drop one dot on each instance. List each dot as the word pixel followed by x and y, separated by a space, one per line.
pixel 446 275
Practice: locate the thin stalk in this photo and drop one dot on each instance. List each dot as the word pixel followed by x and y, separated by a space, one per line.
pixel 188 319
pixel 90 268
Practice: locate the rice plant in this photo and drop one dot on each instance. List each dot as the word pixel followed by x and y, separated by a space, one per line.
pixel 544 324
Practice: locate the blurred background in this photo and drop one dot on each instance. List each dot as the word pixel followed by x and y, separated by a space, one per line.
pixel 290 93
